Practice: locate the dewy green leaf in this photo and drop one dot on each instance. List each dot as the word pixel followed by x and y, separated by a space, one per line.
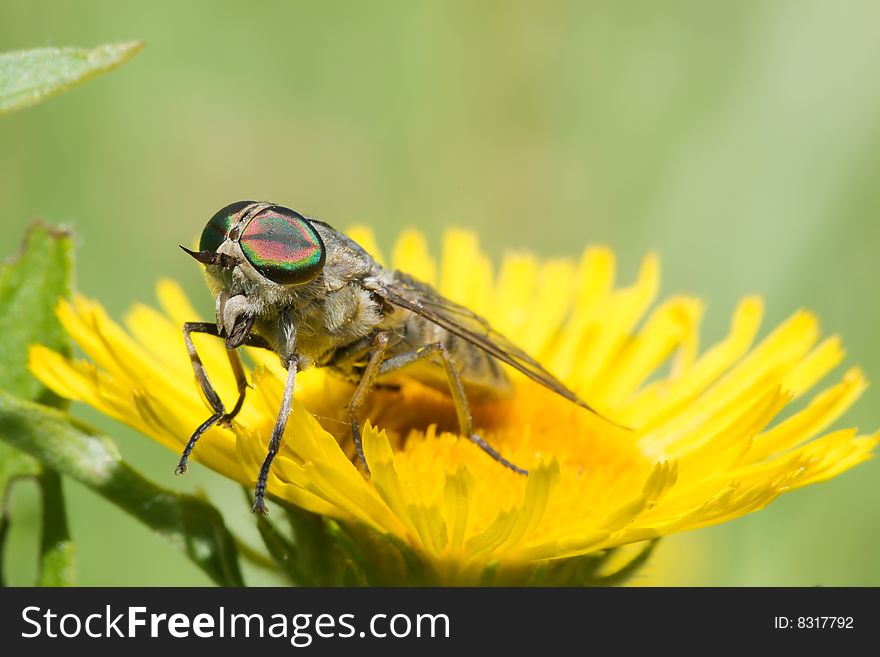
pixel 29 76
pixel 31 283
pixel 190 524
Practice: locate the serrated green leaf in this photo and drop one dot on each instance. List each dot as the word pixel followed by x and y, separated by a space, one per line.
pixel 187 522
pixel 29 76
pixel 31 283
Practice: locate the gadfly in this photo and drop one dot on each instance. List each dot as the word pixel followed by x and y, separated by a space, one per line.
pixel 296 286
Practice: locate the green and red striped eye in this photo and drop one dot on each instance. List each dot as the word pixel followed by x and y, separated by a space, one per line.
pixel 216 231
pixel 283 246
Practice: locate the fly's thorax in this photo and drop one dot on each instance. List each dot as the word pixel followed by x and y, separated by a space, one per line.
pixel 346 261
pixel 335 320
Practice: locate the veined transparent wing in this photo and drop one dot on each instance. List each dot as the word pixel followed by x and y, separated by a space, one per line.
pixel 422 299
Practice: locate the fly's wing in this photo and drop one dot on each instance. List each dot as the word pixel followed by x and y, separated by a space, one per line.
pixel 421 299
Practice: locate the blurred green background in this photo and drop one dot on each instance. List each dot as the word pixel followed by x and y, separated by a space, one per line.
pixel 740 140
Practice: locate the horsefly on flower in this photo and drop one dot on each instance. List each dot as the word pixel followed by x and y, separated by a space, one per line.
pixel 299 288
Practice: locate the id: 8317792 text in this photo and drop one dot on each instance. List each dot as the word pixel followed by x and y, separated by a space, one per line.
pixel 813 623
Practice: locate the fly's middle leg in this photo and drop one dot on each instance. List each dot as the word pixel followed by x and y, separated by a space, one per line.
pixel 275 442
pixel 456 389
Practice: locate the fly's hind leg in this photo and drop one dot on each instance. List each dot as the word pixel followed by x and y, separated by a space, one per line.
pixel 220 416
pixel 367 382
pixel 456 389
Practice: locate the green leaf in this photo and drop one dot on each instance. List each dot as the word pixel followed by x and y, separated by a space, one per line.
pixel 282 551
pixel 187 522
pixel 31 283
pixel 311 557
pixel 29 76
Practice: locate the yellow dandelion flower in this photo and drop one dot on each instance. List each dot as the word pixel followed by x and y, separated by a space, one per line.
pixel 711 440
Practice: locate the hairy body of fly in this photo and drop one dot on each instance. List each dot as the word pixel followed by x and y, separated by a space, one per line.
pixel 317 299
pixel 329 321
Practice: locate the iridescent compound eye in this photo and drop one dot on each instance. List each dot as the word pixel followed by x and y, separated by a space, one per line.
pixel 219 225
pixel 283 246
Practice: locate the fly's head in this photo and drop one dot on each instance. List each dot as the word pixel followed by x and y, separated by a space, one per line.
pixel 248 245
pixel 257 255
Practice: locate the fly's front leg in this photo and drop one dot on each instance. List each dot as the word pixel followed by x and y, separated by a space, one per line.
pixel 220 415
pixel 240 382
pixel 456 389
pixel 368 380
